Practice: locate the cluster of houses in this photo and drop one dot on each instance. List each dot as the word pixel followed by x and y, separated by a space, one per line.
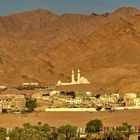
pixel 131 99
pixel 11 102
pixel 54 99
pixel 76 100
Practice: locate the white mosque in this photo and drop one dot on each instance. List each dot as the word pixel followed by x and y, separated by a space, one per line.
pixel 74 81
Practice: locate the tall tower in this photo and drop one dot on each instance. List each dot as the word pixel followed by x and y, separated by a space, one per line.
pixel 78 77
pixel 72 77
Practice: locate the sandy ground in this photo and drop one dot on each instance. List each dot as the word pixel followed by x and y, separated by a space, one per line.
pixel 73 118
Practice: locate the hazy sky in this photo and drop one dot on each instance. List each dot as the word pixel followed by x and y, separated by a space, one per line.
pixel 65 6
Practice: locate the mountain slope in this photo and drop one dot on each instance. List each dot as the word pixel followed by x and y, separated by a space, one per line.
pixel 42 46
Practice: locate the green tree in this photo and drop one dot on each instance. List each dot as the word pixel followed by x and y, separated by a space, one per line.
pixel 113 134
pixel 3 133
pixel 68 130
pixel 127 129
pixel 71 93
pixel 28 133
pixel 61 136
pixel 39 123
pixel 26 125
pixel 33 132
pixel 54 133
pixel 15 134
pixel 31 104
pixel 93 126
pixel 98 108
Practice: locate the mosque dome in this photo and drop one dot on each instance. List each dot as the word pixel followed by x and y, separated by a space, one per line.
pixel 83 80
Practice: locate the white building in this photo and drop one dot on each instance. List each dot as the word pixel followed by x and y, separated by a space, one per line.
pixel 54 92
pixel 19 102
pixel 110 98
pixel 88 93
pixel 30 84
pixel 77 80
pixel 137 101
pixel 73 101
pixel 131 95
pixel 131 99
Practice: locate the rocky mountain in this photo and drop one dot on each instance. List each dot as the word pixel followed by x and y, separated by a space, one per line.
pixel 42 46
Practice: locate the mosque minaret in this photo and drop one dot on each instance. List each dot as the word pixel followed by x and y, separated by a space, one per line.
pixel 78 77
pixel 72 77
pixel 74 81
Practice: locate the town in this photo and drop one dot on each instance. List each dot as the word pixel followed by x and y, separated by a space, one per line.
pixel 49 98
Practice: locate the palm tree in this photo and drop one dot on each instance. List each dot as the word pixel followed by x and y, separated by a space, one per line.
pixel 113 134
pixel 68 130
pixel 3 133
pixel 127 129
pixel 15 134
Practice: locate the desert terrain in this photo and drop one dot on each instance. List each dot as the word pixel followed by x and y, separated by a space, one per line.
pixel 40 46
pixel 74 118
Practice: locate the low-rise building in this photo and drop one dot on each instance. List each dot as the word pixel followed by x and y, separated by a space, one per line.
pixel 131 95
pixel 3 88
pixel 130 99
pixel 109 98
pixel 137 101
pixel 74 101
pixel 19 102
pixel 5 104
pixel 54 92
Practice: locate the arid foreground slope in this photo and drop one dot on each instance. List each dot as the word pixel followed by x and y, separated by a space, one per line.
pixel 42 46
pixel 61 118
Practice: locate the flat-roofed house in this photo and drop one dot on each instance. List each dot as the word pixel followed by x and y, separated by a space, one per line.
pixel 19 102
